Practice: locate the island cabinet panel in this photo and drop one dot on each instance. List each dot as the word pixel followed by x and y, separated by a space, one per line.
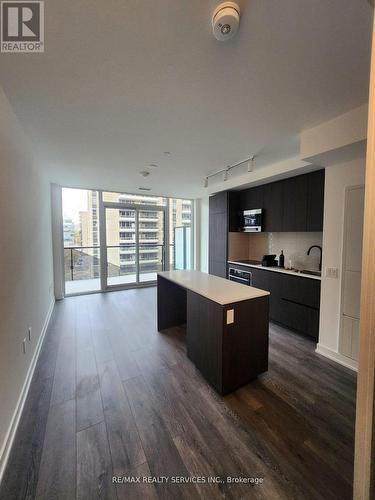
pixel 228 355
pixel 226 325
pixel 204 344
pixel 247 357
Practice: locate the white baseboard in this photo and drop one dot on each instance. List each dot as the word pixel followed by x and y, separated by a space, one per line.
pixel 9 437
pixel 336 356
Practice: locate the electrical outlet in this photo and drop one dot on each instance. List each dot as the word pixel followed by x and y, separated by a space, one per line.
pixel 332 272
pixel 24 346
pixel 29 334
pixel 230 316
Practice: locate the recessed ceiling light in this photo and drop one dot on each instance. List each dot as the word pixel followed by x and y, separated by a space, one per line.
pixel 144 173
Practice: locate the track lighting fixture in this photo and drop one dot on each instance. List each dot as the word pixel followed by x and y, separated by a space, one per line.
pixel 250 164
pixel 225 171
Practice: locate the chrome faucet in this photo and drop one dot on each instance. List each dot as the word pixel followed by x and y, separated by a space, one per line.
pixel 321 251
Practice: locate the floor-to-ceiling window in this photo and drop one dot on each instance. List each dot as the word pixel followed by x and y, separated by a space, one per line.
pixel 140 236
pixel 81 240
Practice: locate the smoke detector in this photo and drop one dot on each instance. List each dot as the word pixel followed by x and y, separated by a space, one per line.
pixel 225 21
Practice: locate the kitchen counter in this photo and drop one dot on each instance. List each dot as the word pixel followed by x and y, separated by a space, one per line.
pixel 275 269
pixel 226 325
pixel 217 289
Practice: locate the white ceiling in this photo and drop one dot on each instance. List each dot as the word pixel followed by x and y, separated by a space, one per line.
pixel 123 81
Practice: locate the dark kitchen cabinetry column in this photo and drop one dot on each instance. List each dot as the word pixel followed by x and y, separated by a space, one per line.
pixel 224 216
pixel 273 207
pixel 252 198
pixel 315 201
pixel 234 211
pixel 218 234
pixel 295 204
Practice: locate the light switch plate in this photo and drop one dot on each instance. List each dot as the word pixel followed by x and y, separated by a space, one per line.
pixel 230 316
pixel 332 272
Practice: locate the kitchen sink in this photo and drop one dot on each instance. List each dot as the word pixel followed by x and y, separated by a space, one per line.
pixel 313 273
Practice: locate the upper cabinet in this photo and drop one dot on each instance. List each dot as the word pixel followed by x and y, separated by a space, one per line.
pixel 291 205
pixel 252 198
pixel 218 203
pixel 295 204
pixel 273 206
pixel 315 201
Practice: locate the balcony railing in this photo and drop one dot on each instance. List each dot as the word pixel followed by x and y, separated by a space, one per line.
pixel 83 263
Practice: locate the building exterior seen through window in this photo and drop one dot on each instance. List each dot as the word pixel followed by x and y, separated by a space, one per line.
pixel 136 240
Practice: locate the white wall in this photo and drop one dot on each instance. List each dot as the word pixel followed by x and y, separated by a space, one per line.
pixel 338 178
pixel 26 293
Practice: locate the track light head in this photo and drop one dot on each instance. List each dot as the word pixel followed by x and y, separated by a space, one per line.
pixel 205 184
pixel 225 175
pixel 250 164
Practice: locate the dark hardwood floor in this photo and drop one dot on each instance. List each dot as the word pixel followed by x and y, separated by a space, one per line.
pixel 111 396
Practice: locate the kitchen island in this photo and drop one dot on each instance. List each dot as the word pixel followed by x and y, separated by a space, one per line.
pixel 226 325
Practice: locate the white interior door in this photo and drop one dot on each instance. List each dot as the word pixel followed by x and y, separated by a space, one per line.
pixel 351 269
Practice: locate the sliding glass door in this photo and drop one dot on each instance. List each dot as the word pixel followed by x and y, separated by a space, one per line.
pixel 121 247
pixel 119 240
pixel 81 241
pixel 134 244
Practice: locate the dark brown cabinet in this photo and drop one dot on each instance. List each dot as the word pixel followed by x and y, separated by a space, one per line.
pixel 271 282
pixel 218 234
pixel 295 204
pixel 273 207
pixel 252 198
pixel 315 201
pixel 234 212
pixel 292 205
pixel 218 203
pixel 294 300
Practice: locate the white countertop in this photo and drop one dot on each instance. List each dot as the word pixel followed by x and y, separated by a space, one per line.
pixel 276 270
pixel 219 290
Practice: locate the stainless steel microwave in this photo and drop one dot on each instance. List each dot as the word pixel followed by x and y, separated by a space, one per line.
pixel 252 220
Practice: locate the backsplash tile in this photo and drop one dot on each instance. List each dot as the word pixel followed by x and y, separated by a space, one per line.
pixel 244 246
pixel 295 246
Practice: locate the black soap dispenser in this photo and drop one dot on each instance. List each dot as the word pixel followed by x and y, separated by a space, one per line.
pixel 282 259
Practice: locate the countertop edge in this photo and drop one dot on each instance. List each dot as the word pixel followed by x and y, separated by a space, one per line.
pixel 260 293
pixel 275 270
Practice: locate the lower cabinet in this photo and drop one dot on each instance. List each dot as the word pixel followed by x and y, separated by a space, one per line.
pixel 294 300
